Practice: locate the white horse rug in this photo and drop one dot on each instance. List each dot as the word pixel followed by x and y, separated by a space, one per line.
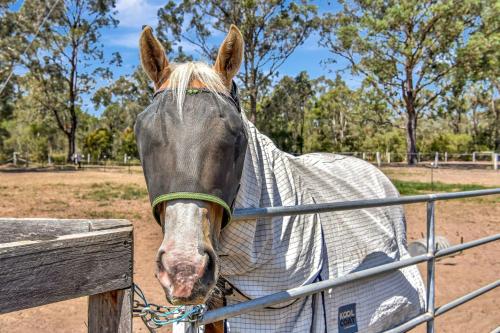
pixel 264 256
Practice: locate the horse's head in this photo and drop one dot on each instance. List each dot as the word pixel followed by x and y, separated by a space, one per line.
pixel 192 145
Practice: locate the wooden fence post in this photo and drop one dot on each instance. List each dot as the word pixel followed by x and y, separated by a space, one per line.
pixel 495 161
pixel 436 159
pixel 378 159
pixel 111 312
pixel 473 157
pixel 388 157
pixel 364 156
pixel 446 157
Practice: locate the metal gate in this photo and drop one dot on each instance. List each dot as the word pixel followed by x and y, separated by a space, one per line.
pixel 430 257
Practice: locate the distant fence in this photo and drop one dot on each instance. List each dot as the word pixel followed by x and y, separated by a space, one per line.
pixel 50 260
pixel 430 257
pixel 436 158
pixel 474 159
pixel 83 161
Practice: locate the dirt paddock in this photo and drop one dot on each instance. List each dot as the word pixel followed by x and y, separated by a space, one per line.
pixel 119 194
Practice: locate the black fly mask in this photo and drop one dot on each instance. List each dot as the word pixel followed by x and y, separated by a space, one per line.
pixel 197 154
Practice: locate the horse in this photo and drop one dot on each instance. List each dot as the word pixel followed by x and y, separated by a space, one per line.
pixel 202 158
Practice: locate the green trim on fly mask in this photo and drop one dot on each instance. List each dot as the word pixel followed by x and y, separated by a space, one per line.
pixel 191 196
pixel 192 91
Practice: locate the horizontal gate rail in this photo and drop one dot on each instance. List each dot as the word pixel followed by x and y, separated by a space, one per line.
pixel 461 300
pixel 426 317
pixel 313 288
pixel 465 246
pixel 303 291
pixel 429 257
pixel 252 213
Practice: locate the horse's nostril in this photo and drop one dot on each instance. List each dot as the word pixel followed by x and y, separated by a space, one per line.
pixel 160 266
pixel 209 277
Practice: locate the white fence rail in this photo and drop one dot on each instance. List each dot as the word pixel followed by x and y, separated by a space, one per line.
pixel 387 158
pixel 379 158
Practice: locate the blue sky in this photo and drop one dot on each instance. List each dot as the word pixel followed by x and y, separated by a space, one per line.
pixel 132 14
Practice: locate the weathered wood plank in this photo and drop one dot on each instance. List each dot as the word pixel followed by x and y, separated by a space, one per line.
pixel 18 229
pixel 34 273
pixel 111 312
pixel 108 224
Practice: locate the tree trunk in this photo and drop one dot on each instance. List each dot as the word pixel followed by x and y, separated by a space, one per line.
pixel 475 126
pixel 71 144
pixel 302 124
pixel 496 132
pixel 496 124
pixel 409 97
pixel 411 137
pixel 253 108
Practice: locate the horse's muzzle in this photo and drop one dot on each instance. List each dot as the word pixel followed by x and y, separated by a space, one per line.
pixel 186 279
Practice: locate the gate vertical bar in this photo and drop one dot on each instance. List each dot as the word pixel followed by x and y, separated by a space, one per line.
pixel 431 249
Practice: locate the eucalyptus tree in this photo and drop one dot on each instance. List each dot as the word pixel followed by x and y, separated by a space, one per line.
pixel 328 119
pixel 128 95
pixel 272 30
pixel 67 57
pixel 481 65
pixel 283 113
pixel 123 100
pixel 404 49
pixel 9 50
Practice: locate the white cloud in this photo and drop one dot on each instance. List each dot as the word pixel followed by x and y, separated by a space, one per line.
pixel 136 13
pixel 128 40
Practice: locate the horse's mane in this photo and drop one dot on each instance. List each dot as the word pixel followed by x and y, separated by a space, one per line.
pixel 184 74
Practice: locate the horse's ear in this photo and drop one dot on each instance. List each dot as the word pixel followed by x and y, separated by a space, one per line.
pixel 230 55
pixel 153 58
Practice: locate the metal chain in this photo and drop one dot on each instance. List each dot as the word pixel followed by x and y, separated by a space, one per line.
pixel 156 316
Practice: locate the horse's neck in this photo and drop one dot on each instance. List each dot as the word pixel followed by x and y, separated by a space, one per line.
pixel 259 159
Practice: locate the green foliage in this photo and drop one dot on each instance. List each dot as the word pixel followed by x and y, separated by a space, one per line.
pixel 282 115
pixel 99 144
pixel 413 188
pixel 31 132
pixel 128 145
pixel 124 99
pixel 62 60
pixel 450 142
pixel 58 158
pixel 386 141
pixel 330 120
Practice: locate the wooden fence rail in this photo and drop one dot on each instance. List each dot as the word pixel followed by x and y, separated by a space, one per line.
pixel 49 260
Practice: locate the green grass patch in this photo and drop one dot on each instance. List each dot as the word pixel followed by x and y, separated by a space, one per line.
pixel 106 214
pixel 109 191
pixel 412 188
pixel 56 202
